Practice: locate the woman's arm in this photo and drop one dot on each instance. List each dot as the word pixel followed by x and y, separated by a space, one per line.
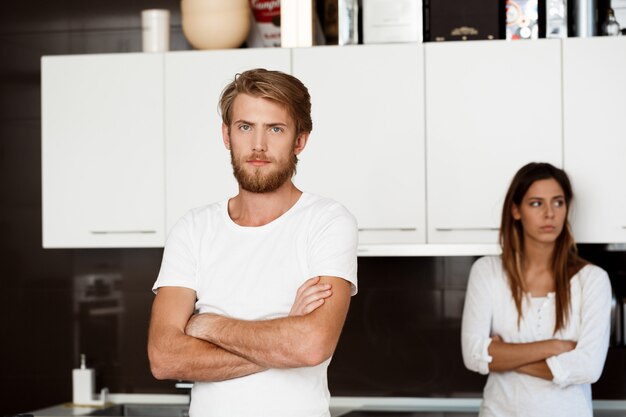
pixel 584 364
pixel 539 369
pixel 477 315
pixel 512 356
pixel 483 353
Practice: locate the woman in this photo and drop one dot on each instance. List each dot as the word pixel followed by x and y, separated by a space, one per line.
pixel 536 318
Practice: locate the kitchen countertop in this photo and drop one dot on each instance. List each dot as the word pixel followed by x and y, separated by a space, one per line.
pixel 339 406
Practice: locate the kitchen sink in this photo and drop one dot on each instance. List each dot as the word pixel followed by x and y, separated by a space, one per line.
pixel 144 410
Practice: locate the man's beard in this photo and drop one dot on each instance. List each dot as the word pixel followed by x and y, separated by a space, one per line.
pixel 258 182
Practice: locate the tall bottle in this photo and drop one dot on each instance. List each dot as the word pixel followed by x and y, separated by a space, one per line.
pixel 83 383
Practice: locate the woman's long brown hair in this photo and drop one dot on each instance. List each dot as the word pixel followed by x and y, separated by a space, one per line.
pixel 565 260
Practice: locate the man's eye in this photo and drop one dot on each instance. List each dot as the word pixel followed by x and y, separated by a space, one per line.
pixel 244 127
pixel 276 129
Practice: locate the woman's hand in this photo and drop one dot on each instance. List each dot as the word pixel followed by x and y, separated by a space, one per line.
pixel 562 346
pixel 310 296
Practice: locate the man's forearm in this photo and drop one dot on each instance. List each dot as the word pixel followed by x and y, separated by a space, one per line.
pixel 288 342
pixel 280 343
pixel 179 356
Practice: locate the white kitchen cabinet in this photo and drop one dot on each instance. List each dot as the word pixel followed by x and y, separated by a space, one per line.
pixel 491 107
pixel 367 145
pixel 198 169
pixel 102 151
pixel 594 91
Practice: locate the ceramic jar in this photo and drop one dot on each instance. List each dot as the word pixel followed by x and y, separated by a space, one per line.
pixel 215 24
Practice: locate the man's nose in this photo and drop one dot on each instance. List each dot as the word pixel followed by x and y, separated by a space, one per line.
pixel 260 142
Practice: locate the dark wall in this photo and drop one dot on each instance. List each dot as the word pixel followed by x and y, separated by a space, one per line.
pixel 56 304
pixel 38 321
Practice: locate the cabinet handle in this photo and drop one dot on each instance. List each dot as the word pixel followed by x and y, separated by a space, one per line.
pixel 467 229
pixel 123 232
pixel 387 229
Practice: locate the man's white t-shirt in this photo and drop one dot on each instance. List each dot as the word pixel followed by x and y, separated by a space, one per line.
pixel 253 273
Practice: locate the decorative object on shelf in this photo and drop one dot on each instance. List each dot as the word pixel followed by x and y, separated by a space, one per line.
pixel 556 18
pixel 454 20
pixel 583 18
pixel 155 25
pixel 339 21
pixel 392 21
pixel 299 24
pixel 215 24
pixel 522 19
pixel 610 26
pixel 265 30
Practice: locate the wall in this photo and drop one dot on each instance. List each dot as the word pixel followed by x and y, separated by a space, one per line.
pixel 37 316
pixel 57 303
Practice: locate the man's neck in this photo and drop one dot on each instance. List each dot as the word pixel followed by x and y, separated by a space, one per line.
pixel 258 209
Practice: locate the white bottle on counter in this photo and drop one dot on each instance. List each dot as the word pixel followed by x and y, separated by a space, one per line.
pixel 83 383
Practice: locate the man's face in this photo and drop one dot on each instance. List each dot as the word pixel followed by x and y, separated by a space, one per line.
pixel 263 144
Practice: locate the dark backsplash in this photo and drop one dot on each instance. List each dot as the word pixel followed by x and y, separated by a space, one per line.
pixel 401 337
pixel 402 334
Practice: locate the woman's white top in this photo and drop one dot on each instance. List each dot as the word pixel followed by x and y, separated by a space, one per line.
pixel 490 310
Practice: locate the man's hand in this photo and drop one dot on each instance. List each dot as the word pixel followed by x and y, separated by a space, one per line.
pixel 310 296
pixel 198 326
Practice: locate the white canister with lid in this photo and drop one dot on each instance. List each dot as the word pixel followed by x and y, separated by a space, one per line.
pixel 155 25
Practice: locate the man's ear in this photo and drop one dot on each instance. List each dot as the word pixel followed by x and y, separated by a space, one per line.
pixel 301 141
pixel 226 135
pixel 515 212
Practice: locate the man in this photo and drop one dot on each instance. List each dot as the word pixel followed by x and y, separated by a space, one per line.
pixel 270 270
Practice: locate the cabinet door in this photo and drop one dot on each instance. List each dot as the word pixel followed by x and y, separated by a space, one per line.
pixel 594 89
pixel 367 145
pixel 491 107
pixel 102 151
pixel 197 163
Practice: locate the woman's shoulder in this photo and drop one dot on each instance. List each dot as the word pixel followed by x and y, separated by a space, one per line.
pixel 592 274
pixel 491 264
pixel 488 269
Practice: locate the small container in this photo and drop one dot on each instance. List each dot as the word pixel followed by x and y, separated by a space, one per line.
pixel 155 24
pixel 387 21
pixel 556 19
pixel 341 22
pixel 83 383
pixel 265 30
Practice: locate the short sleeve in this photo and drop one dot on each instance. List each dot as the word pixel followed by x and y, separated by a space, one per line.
pixel 332 249
pixel 179 264
pixel 477 315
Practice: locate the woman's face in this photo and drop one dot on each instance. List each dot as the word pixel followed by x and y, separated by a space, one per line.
pixel 543 211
